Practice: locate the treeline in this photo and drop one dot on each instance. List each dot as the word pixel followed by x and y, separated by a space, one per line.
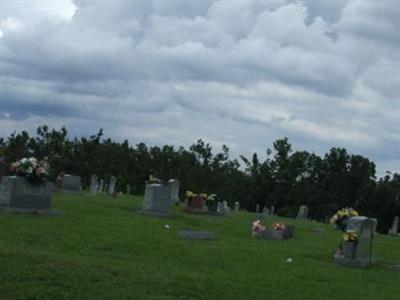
pixel 285 179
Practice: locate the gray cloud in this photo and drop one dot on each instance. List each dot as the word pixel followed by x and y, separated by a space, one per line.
pixel 237 72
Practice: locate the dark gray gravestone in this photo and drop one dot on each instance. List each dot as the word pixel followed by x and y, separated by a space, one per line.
pixel 359 253
pixel 156 200
pixel 272 234
pixel 70 184
pixel 2 168
pixel 17 192
pixel 196 235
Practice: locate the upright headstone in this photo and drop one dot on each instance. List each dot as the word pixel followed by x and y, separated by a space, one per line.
pixel 93 184
pixel 156 200
pixel 272 212
pixel 226 210
pixel 2 168
pixel 111 186
pixel 174 186
pixel 105 188
pixel 101 186
pixel 359 253
pixel 237 206
pixel 257 208
pixel 196 205
pixel 394 231
pixel 17 192
pixel 303 212
pixel 70 184
pixel 128 189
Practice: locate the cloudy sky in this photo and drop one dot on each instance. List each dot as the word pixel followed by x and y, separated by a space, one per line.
pixel 240 73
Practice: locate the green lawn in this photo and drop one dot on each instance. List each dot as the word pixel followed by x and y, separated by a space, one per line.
pixel 100 248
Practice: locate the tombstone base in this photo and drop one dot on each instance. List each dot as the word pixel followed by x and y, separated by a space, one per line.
pixel 196 235
pixel 357 263
pixel 29 211
pixel 158 214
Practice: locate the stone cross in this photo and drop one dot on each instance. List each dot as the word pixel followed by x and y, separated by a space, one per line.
pixel 93 184
pixel 394 231
pixel 111 186
pixel 303 212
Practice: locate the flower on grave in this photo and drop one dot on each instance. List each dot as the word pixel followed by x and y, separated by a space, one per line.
pixel 341 216
pixel 212 197
pixel 350 236
pixel 257 227
pixel 204 195
pixel 190 195
pixel 153 179
pixel 33 170
pixel 278 226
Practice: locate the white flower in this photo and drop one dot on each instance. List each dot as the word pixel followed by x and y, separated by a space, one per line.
pixel 24 160
pixel 29 170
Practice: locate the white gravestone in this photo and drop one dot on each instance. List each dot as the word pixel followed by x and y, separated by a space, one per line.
pixel 174 186
pixel 156 200
pixel 93 184
pixel 111 186
pixel 303 212
pixel 394 231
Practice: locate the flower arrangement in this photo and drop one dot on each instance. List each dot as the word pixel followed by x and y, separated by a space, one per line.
pixel 33 170
pixel 341 216
pixel 153 179
pixel 257 227
pixel 350 236
pixel 190 195
pixel 278 226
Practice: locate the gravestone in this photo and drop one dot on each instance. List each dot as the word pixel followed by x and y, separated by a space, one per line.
pixel 303 212
pixel 273 234
pixel 156 200
pixel 70 184
pixel 174 186
pixel 265 213
pixel 196 205
pixel 272 212
pixel 93 185
pixel 257 208
pixel 128 189
pixel 17 192
pixel 111 186
pixel 394 231
pixel 2 168
pixel 100 188
pixel 196 235
pixel 105 187
pixel 237 206
pixel 225 209
pixel 358 253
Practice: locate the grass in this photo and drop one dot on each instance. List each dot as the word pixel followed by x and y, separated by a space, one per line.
pixel 100 248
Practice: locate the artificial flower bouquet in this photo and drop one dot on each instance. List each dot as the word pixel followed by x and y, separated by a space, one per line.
pixel 33 170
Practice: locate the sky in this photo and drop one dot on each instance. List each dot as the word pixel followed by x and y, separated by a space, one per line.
pixel 242 73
